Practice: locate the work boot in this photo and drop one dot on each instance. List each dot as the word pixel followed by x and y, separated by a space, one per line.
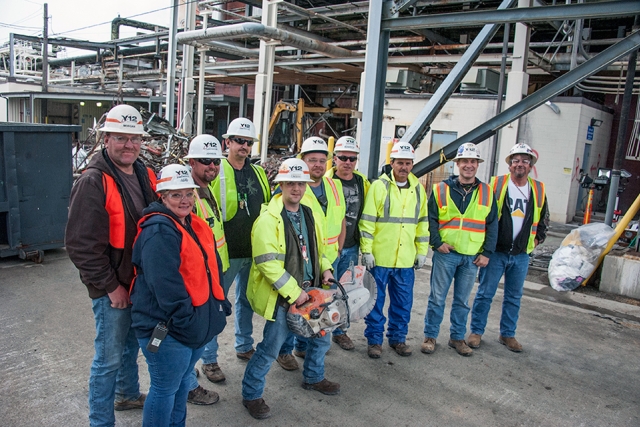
pixel 428 346
pixel 401 348
pixel 246 355
pixel 511 343
pixel 202 396
pixel 300 354
pixel 213 372
pixel 343 341
pixel 257 408
pixel 474 340
pixel 125 405
pixel 287 362
pixel 374 351
pixel 461 347
pixel 325 387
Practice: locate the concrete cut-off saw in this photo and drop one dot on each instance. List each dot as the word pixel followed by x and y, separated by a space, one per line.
pixel 327 309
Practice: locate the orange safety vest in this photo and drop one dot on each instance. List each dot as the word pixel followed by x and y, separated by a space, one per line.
pixel 196 272
pixel 115 208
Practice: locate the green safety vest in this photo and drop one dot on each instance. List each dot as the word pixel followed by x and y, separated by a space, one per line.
pixel 464 232
pixel 500 186
pixel 205 211
pixel 225 191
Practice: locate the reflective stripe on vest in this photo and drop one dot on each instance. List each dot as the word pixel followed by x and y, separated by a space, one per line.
pixel 197 273
pixel 225 187
pixel 386 217
pixel 115 208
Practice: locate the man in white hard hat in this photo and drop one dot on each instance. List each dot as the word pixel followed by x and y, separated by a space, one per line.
pixel 205 155
pixel 464 227
pixel 288 256
pixel 395 240
pixel 105 206
pixel 522 225
pixel 354 187
pixel 241 188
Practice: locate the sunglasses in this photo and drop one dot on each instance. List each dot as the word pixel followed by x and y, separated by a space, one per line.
pixel 351 159
pixel 241 141
pixel 207 162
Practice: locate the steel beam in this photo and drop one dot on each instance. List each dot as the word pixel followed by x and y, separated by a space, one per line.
pixel 372 105
pixel 421 125
pixel 56 41
pixel 607 9
pixel 171 65
pixel 531 102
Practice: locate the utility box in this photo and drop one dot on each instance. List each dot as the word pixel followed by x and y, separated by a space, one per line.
pixel 35 184
pixel 402 80
pixel 481 81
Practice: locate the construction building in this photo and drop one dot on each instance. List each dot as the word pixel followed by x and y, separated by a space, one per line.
pixel 435 73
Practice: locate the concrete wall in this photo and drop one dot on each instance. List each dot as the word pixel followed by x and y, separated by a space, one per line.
pixel 558 138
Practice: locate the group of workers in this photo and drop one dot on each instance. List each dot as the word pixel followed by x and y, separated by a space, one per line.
pixel 159 254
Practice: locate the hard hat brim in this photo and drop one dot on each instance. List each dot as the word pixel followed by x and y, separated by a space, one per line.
pixel 106 128
pixel 229 135
pixel 177 187
pixel 200 156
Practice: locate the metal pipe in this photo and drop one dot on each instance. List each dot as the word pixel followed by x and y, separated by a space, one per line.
pixel 251 29
pixel 45 49
pixel 503 66
pixel 311 14
pixel 171 66
pixel 117 22
pixel 201 81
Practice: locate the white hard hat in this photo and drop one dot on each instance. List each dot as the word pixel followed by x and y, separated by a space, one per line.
pixel 124 119
pixel 293 170
pixel 522 148
pixel 468 150
pixel 175 177
pixel 205 147
pixel 346 143
pixel 241 127
pixel 314 144
pixel 403 150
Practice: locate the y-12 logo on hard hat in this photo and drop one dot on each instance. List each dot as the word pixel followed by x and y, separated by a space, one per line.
pixel 210 144
pixel 296 168
pixel 245 126
pixel 130 119
pixel 181 173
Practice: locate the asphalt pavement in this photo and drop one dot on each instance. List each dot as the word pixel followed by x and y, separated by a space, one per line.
pixel 579 366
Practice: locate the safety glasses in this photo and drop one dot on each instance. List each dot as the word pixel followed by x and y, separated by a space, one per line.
pixel 351 159
pixel 207 162
pixel 241 141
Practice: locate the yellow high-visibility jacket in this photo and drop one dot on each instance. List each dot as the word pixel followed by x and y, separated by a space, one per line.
pixel 268 277
pixel 205 211
pixel 394 225
pixel 225 191
pixel 332 221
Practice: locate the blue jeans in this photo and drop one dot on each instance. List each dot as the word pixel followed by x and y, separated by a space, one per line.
pixel 170 372
pixel 400 281
pixel 514 268
pixel 114 371
pixel 239 269
pixel 274 334
pixel 445 268
pixel 340 266
pixel 210 354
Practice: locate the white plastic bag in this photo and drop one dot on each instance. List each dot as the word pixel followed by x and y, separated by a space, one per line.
pixel 575 259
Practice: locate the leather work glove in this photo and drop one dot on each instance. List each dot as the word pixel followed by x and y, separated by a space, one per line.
pixel 369 261
pixel 420 260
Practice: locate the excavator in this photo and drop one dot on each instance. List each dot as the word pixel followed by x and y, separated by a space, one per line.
pixel 293 121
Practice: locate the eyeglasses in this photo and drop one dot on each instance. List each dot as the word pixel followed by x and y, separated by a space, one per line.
pixel 207 162
pixel 316 161
pixel 351 159
pixel 122 140
pixel 523 161
pixel 178 197
pixel 241 141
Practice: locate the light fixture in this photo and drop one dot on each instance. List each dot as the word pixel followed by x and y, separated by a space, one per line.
pixel 323 70
pixel 596 122
pixel 98 104
pixel 82 103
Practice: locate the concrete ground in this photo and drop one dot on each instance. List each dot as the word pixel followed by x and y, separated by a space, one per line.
pixel 579 367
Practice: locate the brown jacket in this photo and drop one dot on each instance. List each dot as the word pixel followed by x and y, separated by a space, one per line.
pixel 102 267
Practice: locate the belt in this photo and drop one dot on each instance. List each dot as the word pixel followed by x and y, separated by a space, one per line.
pixel 307 284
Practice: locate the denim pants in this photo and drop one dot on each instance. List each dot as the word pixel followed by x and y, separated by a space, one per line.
pixel 400 284
pixel 170 372
pixel 445 268
pixel 114 371
pixel 239 269
pixel 274 334
pixel 340 266
pixel 210 353
pixel 514 268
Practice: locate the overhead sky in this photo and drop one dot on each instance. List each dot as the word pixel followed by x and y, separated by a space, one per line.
pixel 78 19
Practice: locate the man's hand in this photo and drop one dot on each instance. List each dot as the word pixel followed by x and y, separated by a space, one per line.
pixel 302 298
pixel 369 261
pixel 481 261
pixel 535 243
pixel 327 277
pixel 119 298
pixel 420 260
pixel 445 248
